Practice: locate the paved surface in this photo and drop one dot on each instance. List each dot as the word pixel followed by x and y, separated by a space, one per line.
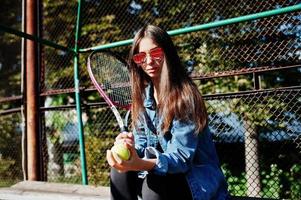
pixel 34 190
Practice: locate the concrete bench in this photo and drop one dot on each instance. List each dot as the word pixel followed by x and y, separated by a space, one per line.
pixel 35 190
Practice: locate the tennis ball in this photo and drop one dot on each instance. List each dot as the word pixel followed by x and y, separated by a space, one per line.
pixel 122 151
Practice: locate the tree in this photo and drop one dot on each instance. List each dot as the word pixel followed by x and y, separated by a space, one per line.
pixel 10 51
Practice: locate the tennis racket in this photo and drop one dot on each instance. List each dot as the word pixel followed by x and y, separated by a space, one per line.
pixel 110 76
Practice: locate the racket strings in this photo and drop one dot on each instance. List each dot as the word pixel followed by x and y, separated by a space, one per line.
pixel 112 76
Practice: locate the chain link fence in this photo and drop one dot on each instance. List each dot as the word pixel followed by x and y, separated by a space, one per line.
pixel 248 72
pixel 10 149
pixel 10 96
pixel 258 140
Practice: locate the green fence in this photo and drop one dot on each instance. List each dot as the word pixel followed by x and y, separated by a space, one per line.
pixel 244 56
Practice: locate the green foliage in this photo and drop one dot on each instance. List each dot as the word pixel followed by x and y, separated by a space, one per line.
pixel 226 85
pixel 10 136
pixel 272 182
pixel 293 177
pixel 10 46
pixel 236 184
pixel 98 169
pixel 56 121
pixel 8 173
pixel 5 166
pixel 60 16
pixel 7 182
pixel 99 136
pixel 10 150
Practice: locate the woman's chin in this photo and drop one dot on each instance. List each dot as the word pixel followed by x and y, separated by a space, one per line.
pixel 153 76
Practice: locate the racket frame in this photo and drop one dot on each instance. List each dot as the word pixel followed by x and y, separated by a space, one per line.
pixel 112 105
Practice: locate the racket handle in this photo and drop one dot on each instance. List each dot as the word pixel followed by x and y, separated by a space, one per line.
pixel 124 129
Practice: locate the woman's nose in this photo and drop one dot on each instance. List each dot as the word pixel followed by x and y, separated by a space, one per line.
pixel 149 59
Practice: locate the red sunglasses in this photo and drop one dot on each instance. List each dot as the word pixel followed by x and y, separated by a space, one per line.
pixel 155 53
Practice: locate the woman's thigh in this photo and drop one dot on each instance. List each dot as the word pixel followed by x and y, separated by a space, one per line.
pixel 153 187
pixel 171 186
pixel 124 186
pixel 177 187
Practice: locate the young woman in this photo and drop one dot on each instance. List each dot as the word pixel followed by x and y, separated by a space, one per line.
pixel 172 153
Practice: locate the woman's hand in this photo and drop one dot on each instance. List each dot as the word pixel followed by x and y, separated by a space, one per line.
pixel 122 166
pixel 125 138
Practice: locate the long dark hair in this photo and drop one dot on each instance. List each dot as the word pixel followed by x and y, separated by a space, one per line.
pixel 179 97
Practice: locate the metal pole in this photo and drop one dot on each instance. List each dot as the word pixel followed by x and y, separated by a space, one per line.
pixel 77 98
pixel 31 94
pixel 22 110
pixel 33 38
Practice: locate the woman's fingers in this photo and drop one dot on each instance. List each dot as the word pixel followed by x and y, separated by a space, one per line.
pixel 125 141
pixel 115 162
pixel 116 158
pixel 124 135
pixel 130 135
pixel 110 160
pixel 126 138
pixel 113 159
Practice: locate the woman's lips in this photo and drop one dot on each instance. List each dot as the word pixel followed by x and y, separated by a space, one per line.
pixel 152 69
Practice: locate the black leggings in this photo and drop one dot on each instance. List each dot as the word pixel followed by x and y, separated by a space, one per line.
pixel 127 186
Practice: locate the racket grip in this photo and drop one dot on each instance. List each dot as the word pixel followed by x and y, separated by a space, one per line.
pixel 124 129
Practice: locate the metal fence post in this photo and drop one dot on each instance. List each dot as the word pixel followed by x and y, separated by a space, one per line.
pixel 77 98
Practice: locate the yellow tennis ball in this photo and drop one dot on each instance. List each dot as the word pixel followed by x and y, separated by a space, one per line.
pixel 122 151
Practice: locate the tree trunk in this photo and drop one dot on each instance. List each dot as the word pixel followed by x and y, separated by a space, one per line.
pixel 251 160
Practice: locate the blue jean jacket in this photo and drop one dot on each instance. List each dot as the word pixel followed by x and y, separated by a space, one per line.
pixel 184 151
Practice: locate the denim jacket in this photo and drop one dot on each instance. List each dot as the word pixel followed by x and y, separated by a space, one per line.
pixel 182 151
